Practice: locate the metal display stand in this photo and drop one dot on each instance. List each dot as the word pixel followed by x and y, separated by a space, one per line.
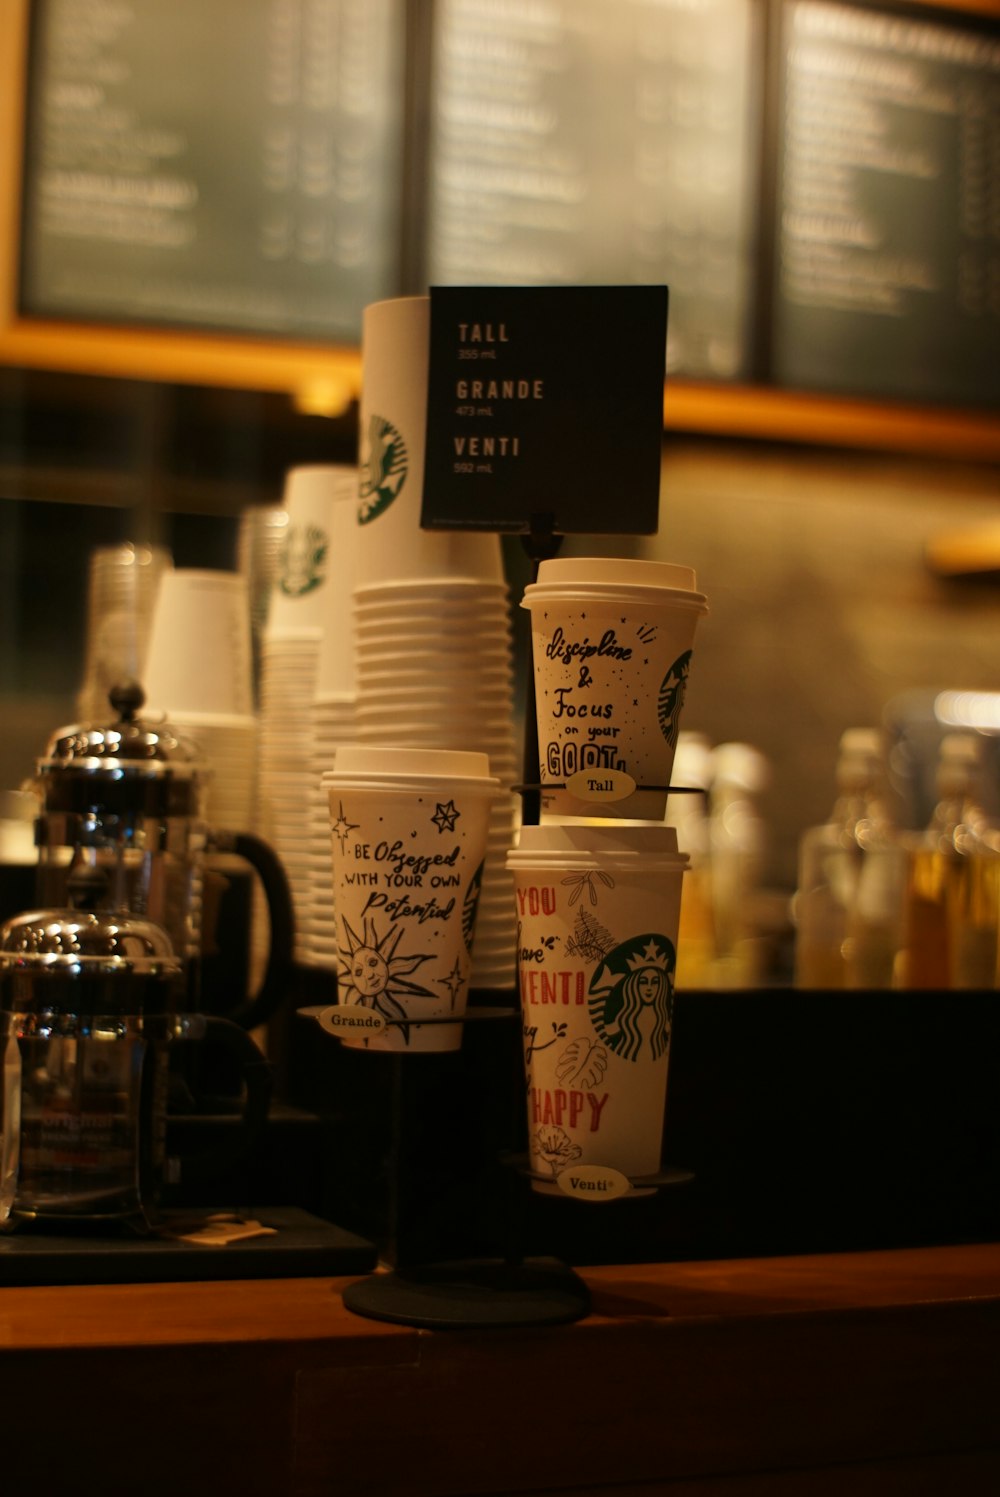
pixel 511 1290
pixel 469 1293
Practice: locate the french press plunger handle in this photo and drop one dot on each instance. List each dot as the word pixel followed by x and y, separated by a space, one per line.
pixel 128 699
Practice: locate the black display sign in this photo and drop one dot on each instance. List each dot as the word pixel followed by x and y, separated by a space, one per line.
pixel 545 409
pixel 889 206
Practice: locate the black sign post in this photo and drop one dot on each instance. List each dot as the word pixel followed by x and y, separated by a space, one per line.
pixel 545 417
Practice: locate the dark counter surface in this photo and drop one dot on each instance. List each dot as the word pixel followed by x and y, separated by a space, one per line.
pixel 874 1372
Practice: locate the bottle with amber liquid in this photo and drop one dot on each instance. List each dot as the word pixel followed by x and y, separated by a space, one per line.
pixel 851 878
pixel 953 888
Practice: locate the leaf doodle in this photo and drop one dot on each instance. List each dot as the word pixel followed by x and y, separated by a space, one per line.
pixel 580 881
pixel 590 939
pixel 583 1062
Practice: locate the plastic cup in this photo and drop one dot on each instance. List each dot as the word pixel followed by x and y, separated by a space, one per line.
pixel 395 341
pixel 598 910
pixel 408 830
pixel 611 644
pixel 122 586
pixel 200 653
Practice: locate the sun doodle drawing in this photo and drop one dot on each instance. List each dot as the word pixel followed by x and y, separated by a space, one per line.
pixel 375 975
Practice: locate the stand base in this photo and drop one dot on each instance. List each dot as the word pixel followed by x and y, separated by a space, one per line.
pixel 473 1295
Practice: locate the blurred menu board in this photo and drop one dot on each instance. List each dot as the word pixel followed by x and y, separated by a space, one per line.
pixel 888 276
pixel 233 164
pixel 577 142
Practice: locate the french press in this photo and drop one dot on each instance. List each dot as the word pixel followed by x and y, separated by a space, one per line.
pixel 88 1013
pixel 126 798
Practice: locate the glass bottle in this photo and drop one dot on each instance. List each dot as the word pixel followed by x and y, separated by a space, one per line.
pixel 689 814
pixel 736 849
pixel 851 878
pixel 953 889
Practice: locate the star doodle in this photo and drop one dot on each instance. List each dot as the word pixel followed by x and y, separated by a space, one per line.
pixel 453 982
pixel 445 816
pixel 341 828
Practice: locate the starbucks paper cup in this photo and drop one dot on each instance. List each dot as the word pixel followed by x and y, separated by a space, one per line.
pixel 611 642
pixel 315 563
pixel 200 652
pixel 598 909
pixel 408 839
pixel 392 546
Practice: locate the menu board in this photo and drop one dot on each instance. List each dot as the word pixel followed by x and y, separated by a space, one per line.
pixel 231 164
pixel 577 142
pixel 888 270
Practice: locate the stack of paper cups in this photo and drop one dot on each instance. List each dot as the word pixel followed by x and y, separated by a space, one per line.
pixel 199 674
pixel 306 673
pixel 433 634
pixel 334 724
pixel 435 670
pixel 259 547
pixel 228 744
pixel 199 657
pixel 392 546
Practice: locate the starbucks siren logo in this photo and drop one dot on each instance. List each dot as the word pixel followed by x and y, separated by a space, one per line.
pixel 384 466
pixel 303 560
pixel 671 698
pixel 631 1001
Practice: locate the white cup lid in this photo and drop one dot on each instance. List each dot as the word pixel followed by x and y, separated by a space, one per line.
pixel 639 846
pixel 612 578
pixel 617 570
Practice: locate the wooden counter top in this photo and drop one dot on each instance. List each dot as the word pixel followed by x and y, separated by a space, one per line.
pixel 875 1372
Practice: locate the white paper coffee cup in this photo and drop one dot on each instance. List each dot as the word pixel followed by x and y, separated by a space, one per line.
pixel 611 643
pixel 598 909
pixel 199 658
pixel 392 546
pixel 408 833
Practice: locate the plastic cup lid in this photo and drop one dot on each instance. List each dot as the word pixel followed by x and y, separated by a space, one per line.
pixel 639 846
pixel 611 577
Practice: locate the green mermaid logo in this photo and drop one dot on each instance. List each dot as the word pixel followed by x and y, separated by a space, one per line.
pixel 303 560
pixel 384 466
pixel 631 1000
pixel 671 698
